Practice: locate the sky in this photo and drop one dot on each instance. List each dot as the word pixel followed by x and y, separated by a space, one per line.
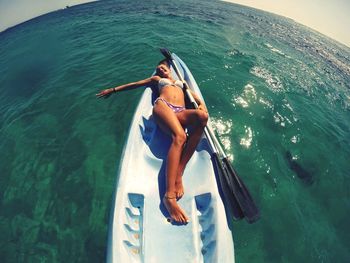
pixel 13 12
pixel 330 17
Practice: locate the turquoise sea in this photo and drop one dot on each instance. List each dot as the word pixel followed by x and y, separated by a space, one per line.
pixel 278 94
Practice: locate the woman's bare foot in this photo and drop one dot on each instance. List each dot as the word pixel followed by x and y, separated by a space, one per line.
pixel 179 188
pixel 175 211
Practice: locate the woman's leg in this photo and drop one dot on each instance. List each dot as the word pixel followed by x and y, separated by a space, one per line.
pixel 198 119
pixel 169 123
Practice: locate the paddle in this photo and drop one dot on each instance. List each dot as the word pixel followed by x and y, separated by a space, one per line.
pixel 235 193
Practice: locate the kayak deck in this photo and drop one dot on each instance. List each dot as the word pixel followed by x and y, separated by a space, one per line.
pixel 139 230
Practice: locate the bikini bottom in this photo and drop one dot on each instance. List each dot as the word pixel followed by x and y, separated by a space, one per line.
pixel 174 108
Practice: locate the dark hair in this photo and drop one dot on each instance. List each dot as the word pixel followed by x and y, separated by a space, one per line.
pixel 162 62
pixel 165 62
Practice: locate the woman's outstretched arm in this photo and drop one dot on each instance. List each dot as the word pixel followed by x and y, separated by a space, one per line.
pixel 133 85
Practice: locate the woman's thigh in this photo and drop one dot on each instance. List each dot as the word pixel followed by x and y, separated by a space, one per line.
pixel 167 119
pixel 189 117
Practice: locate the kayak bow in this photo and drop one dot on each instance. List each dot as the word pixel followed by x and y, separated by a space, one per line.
pixel 139 230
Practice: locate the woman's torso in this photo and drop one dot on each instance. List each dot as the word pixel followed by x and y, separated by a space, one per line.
pixel 171 91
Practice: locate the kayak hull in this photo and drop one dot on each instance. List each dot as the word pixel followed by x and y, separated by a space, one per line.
pixel 139 230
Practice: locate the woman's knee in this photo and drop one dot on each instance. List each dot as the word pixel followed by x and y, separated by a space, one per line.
pixel 202 118
pixel 179 138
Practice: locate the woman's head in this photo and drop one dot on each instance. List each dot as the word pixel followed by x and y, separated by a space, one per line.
pixel 163 69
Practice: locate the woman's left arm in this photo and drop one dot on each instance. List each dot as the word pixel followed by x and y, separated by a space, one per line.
pixel 200 103
pixel 132 85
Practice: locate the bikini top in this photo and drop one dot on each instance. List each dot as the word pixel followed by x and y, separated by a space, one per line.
pixel 167 82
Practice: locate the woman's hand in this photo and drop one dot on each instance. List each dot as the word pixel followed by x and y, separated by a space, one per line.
pixel 203 108
pixel 105 93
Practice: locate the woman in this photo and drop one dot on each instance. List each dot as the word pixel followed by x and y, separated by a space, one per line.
pixel 171 116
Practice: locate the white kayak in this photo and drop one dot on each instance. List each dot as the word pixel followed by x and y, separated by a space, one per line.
pixel 139 230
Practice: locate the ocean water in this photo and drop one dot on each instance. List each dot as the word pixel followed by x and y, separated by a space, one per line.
pixel 278 94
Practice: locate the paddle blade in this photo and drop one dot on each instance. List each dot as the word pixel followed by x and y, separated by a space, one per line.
pixel 166 53
pixel 230 202
pixel 240 191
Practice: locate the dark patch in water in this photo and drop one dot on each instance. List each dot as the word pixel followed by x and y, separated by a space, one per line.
pixel 77 191
pixel 47 234
pixel 16 207
pixel 300 171
pixel 26 81
pixel 95 247
pixel 73 155
pixel 6 161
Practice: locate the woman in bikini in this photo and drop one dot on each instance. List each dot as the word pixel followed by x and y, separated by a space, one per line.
pixel 171 116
